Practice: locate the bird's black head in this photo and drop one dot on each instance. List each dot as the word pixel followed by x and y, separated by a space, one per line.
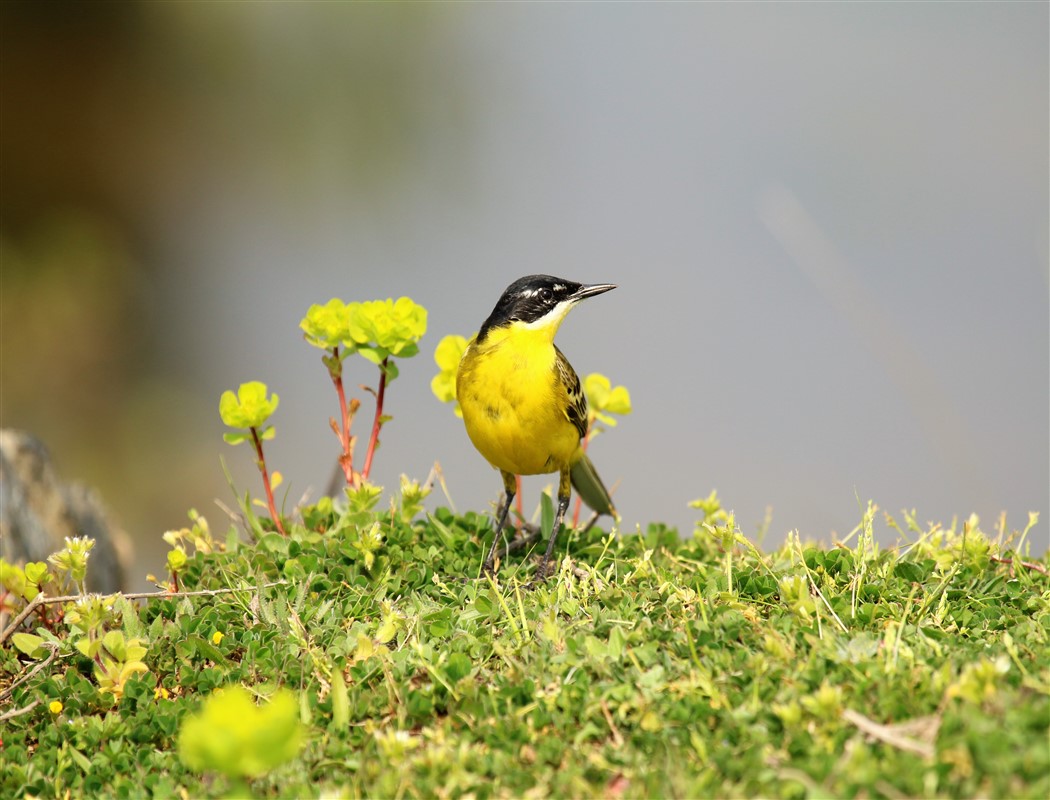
pixel 539 300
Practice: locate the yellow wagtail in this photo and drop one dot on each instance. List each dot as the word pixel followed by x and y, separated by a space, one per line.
pixel 522 402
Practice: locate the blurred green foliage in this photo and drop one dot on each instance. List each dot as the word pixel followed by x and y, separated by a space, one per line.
pixel 234 736
pixel 115 118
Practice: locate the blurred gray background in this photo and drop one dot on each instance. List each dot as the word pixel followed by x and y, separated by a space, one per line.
pixel 828 223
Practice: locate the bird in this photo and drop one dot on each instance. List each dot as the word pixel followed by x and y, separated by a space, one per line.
pixel 522 403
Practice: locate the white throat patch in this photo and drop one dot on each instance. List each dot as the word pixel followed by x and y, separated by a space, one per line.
pixel 552 318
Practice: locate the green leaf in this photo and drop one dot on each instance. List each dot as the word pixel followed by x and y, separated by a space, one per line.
pixel 457 667
pixel 87 647
pixel 408 350
pixel 386 631
pixel 36 571
pixel 115 644
pixel 448 538
pixel 30 644
pixel 909 571
pixel 373 354
pixel 547 515
pixel 81 760
pixel 274 543
pixel 617 642
pixel 206 649
pixel 340 701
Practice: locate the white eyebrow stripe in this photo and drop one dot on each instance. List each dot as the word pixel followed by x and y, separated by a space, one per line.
pixel 557 287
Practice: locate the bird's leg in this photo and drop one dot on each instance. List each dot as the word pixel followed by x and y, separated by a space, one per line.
pixel 564 488
pixel 489 566
pixel 509 489
pixel 541 571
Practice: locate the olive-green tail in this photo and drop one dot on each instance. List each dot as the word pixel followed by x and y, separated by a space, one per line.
pixel 590 487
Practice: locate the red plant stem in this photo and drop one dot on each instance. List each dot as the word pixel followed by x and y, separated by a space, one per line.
pixel 377 423
pixel 576 512
pixel 266 482
pixel 1026 564
pixel 347 459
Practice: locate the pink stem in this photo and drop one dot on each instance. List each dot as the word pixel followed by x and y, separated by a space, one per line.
pixel 347 459
pixel 266 482
pixel 377 423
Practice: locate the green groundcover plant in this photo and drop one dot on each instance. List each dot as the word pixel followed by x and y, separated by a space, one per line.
pixel 351 647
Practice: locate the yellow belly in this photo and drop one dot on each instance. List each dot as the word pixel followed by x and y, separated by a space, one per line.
pixel 513 405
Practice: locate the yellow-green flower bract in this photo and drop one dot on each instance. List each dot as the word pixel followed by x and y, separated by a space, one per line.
pixel 249 408
pixel 233 735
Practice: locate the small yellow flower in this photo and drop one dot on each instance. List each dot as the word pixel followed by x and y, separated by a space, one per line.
pixel 447 356
pixel 217 637
pixel 160 692
pixel 55 707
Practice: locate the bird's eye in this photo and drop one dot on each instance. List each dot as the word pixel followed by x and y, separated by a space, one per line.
pixel 546 295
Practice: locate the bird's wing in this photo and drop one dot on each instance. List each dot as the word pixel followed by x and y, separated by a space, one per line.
pixel 576 408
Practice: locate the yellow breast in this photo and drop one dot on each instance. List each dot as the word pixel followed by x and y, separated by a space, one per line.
pixel 514 405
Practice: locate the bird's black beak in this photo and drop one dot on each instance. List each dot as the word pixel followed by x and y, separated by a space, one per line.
pixel 590 291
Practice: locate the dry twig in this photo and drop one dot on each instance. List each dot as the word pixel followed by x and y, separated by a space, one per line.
pixel 902 736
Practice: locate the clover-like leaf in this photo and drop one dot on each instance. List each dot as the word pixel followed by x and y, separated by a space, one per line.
pixel 249 408
pixel 36 572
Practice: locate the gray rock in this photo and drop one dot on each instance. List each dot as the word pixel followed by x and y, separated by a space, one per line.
pixel 38 511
